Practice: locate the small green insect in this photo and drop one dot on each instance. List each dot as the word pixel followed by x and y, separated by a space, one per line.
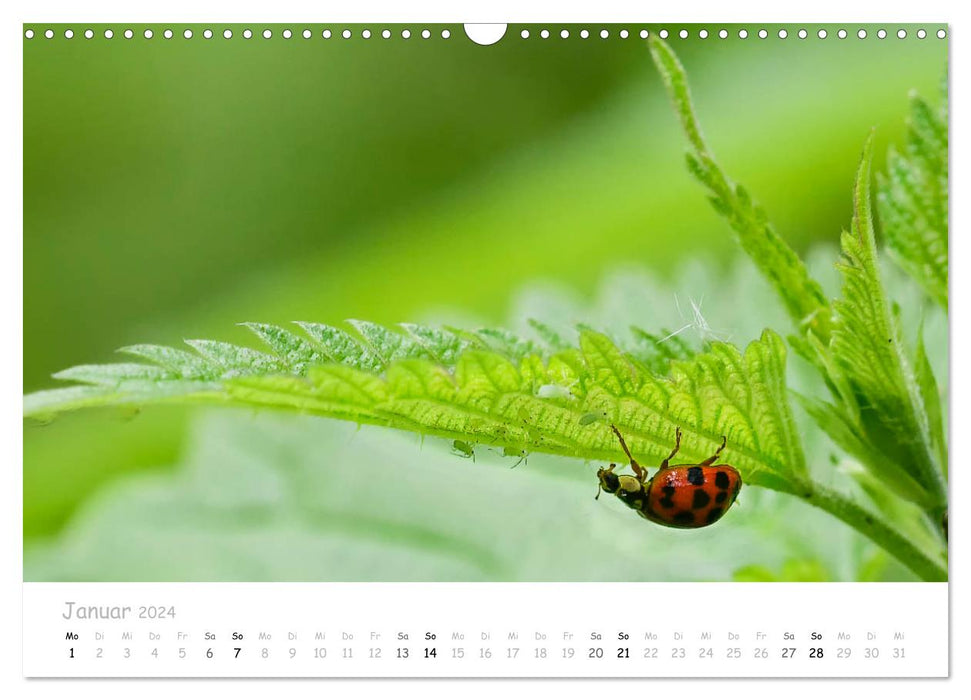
pixel 516 452
pixel 588 418
pixel 463 449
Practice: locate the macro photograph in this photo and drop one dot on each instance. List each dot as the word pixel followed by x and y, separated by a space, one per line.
pixel 379 303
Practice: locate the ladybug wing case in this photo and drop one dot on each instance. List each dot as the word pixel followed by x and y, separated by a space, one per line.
pixel 689 496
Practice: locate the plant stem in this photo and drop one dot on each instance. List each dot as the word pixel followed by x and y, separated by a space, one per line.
pixel 879 532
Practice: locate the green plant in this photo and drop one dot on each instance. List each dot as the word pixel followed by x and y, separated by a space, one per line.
pixel 558 395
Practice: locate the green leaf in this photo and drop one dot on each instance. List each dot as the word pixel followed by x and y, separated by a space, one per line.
pixel 869 354
pixel 932 399
pixel 908 517
pixel 549 335
pixel 339 346
pixel 810 570
pixel 801 295
pixel 295 352
pixel 912 199
pixel 182 363
pixel 657 352
pixel 848 434
pixel 509 395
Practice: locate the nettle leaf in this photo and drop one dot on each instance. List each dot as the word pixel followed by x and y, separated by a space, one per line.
pixel 503 391
pixel 800 293
pixel 889 413
pixel 912 199
pixel 932 398
pixel 881 413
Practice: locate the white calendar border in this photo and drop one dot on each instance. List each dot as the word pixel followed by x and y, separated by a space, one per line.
pixel 499 10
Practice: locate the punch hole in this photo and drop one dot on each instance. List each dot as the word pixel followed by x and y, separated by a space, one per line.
pixel 187 33
pixel 564 34
pixel 663 34
pixel 881 33
pixel 604 33
pixel 545 34
pixel 901 33
pixel 584 34
pixel 228 34
pixel 703 34
pixel 129 33
pixel 763 34
pixel 941 33
pixel 306 33
pixel 287 34
pixel 49 34
pixel 207 34
pixel 446 34
pixel 624 34
pixel 803 34
pixel 247 34
pixel 425 34
pixel 841 33
pixel 29 34
pixel 861 33
pixel 742 33
pixel 485 34
pixel 88 34
pixel 167 33
pixel 644 34
pixel 921 34
pixel 267 33
pixel 722 33
pixel 386 34
pixel 109 34
pixel 783 33
pixel 683 34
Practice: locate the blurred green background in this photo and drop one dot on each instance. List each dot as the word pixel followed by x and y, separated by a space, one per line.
pixel 174 187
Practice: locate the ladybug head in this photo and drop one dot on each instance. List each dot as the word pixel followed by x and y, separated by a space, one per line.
pixel 609 481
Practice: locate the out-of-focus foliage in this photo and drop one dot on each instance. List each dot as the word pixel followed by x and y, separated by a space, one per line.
pixel 913 197
pixel 283 498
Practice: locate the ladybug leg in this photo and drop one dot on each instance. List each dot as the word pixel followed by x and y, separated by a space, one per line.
pixel 711 460
pixel 677 446
pixel 639 471
pixel 600 485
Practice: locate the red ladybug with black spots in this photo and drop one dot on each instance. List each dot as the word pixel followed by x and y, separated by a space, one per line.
pixel 679 495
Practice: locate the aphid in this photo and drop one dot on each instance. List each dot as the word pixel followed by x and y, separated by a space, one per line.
pixel 588 418
pixel 678 495
pixel 463 449
pixel 515 452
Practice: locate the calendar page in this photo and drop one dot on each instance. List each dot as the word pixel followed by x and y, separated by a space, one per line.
pixel 559 350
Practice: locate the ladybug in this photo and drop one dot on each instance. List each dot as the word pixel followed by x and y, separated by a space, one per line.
pixel 679 495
